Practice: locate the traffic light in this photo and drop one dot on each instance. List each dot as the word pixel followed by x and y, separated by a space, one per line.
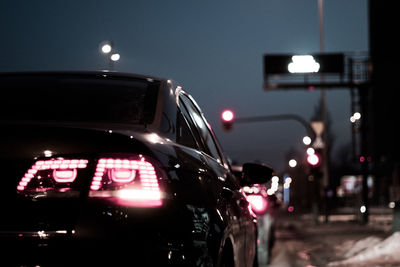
pixel 313 159
pixel 314 162
pixel 227 118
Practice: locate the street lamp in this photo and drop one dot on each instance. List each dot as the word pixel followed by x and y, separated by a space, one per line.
pixel 356 116
pixel 310 151
pixel 307 140
pixel 115 57
pixel 292 163
pixel 108 49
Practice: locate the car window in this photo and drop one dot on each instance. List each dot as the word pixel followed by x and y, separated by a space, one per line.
pixel 207 138
pixel 78 99
pixel 184 134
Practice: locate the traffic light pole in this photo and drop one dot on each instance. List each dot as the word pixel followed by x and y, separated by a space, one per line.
pixel 295 117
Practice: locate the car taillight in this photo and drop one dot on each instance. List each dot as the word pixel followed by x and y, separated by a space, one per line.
pixel 57 173
pixel 258 203
pixel 129 181
pixel 126 181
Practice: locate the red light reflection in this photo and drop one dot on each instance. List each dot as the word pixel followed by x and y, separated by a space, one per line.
pixel 258 203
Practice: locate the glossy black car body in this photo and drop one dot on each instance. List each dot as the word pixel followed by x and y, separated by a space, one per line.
pixel 108 168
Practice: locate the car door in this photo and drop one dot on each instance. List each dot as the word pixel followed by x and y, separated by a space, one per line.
pixel 222 182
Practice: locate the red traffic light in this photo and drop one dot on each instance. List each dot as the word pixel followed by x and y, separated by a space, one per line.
pixel 313 159
pixel 227 117
pixel 257 203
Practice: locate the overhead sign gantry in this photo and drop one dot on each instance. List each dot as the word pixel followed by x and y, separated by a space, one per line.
pixel 327 70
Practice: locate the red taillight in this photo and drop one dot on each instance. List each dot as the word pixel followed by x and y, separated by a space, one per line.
pixel 131 182
pixel 258 203
pixel 64 176
pixel 45 172
pixel 122 175
pixel 125 181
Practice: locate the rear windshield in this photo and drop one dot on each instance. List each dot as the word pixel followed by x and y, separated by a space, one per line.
pixel 78 99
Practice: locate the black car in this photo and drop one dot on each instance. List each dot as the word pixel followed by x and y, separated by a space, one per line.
pixel 101 168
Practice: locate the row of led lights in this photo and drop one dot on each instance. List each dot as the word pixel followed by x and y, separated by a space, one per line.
pixel 275 184
pixel 272 190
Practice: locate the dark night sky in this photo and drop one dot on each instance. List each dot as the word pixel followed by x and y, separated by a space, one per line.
pixel 213 48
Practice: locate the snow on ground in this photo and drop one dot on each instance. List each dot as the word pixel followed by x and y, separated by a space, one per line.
pixel 360 245
pixel 371 249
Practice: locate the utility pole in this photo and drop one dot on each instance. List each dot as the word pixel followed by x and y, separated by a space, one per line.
pixel 325 164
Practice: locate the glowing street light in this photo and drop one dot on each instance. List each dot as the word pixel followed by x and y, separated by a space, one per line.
pixel 363 209
pixel 310 151
pixel 356 116
pixel 286 185
pixel 292 163
pixel 115 57
pixel 108 49
pixel 307 140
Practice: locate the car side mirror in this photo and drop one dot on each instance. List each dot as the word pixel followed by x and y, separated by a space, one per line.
pixel 255 173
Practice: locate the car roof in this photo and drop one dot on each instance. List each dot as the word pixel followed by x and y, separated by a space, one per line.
pixel 94 74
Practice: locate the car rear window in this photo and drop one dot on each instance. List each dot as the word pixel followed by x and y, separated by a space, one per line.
pixel 78 99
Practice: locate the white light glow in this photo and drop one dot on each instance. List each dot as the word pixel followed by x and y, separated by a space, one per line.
pixel 292 163
pixel 306 140
pixel 47 153
pixel 115 57
pixel 106 48
pixel 303 64
pixel 310 151
pixel 275 187
pixel 363 209
pixel 275 179
pixel 42 234
pixel 357 115
pixel 154 138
